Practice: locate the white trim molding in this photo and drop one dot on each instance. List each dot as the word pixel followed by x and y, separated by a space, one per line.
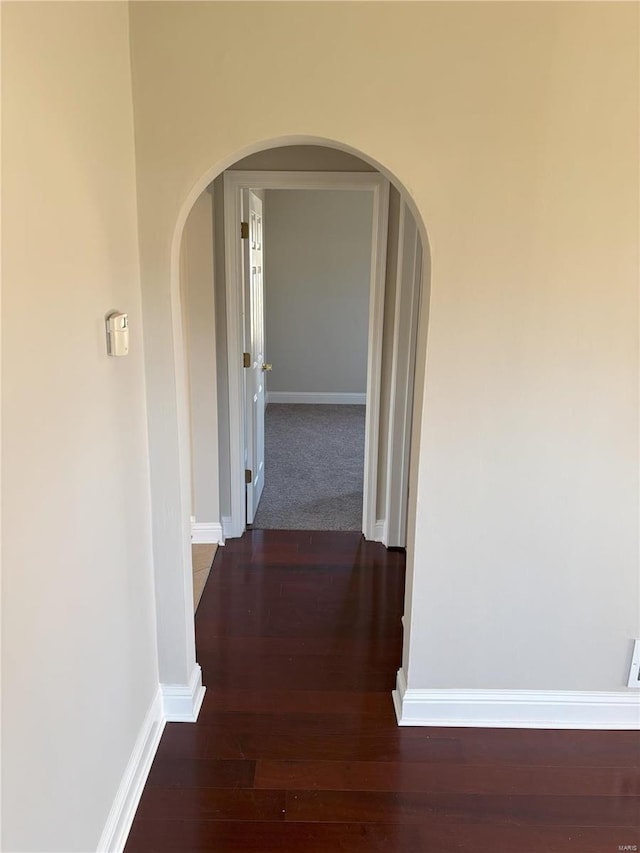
pixel 227 527
pixel 516 709
pixel 207 533
pixel 182 702
pixel 380 531
pixel 234 184
pixel 317 397
pixel 408 278
pixel 118 825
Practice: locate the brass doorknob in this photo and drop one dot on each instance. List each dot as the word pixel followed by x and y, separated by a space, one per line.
pixel 267 366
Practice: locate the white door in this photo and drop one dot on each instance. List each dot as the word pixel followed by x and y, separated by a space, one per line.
pixel 254 347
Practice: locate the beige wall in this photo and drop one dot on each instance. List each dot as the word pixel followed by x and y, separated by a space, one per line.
pixel 317 281
pixel 302 158
pixel 514 127
pixel 79 660
pixel 224 453
pixel 200 338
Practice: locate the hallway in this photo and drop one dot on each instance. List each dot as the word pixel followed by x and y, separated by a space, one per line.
pixel 297 747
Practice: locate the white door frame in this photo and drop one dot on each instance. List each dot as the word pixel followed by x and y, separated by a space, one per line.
pixel 234 184
pixel 408 280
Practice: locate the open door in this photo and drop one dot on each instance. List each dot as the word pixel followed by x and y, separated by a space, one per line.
pixel 254 364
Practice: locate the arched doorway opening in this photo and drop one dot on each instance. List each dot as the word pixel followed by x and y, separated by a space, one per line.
pixel 406 435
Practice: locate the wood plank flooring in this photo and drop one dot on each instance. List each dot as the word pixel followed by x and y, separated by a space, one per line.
pixel 297 747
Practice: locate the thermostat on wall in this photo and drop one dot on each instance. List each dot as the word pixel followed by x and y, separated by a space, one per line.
pixel 117 334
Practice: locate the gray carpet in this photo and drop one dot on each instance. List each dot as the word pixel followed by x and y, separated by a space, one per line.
pixel 314 464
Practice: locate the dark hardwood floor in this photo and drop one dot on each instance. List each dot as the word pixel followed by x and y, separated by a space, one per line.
pixel 297 747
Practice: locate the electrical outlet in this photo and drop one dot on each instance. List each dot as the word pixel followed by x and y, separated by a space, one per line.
pixel 634 672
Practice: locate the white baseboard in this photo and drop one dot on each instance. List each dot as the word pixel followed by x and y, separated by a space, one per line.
pixel 516 709
pixel 316 397
pixel 227 527
pixel 380 531
pixel 181 702
pixel 207 533
pixel 118 825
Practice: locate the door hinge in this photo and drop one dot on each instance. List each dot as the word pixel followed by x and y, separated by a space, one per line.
pixel 248 476
pixel 246 359
pixel 244 230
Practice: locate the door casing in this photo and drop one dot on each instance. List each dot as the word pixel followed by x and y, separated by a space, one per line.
pixel 234 185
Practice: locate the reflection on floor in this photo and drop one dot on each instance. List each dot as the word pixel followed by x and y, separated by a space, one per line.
pixel 201 559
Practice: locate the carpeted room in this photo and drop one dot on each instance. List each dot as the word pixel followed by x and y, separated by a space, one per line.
pixel 314 467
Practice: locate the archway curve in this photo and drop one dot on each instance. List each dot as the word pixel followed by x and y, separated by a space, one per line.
pixel 281 142
pixel 179 345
